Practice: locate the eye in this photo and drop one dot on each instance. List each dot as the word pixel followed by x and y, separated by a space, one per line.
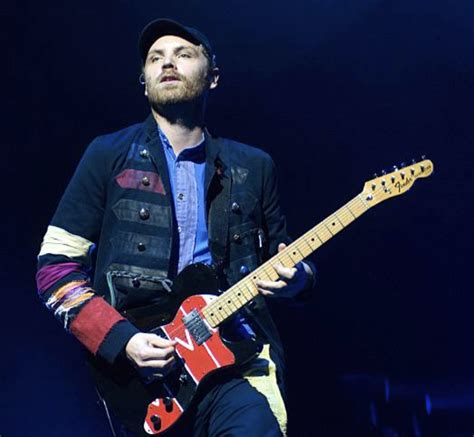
pixel 184 55
pixel 155 58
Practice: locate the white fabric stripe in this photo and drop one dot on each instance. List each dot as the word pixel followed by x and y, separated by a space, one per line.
pixel 57 241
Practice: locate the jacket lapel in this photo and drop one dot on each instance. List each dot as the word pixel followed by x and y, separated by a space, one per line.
pixel 218 185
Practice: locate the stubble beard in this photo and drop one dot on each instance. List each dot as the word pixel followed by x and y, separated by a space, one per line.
pixel 183 92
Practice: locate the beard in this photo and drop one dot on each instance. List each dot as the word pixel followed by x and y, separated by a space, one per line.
pixel 186 90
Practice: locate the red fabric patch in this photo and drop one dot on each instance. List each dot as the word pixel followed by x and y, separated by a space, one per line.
pixel 94 322
pixel 141 180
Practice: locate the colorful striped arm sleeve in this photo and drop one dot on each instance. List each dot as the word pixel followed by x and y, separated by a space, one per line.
pixel 64 287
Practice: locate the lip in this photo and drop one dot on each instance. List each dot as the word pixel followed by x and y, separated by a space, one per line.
pixel 169 79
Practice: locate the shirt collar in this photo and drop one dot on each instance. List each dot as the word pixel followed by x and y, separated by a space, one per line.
pixel 192 153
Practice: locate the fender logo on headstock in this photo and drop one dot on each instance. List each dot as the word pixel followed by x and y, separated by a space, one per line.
pixel 399 185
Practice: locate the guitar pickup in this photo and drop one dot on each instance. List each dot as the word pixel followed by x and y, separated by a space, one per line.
pixel 196 327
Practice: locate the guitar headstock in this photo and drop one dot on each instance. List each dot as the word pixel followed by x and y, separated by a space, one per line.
pixel 395 183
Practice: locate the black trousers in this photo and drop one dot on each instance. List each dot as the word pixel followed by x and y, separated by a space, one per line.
pixel 230 409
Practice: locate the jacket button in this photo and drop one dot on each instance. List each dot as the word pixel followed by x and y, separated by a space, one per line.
pixel 243 270
pixel 141 247
pixel 235 207
pixel 136 282
pixel 146 181
pixel 144 214
pixel 144 153
pixel 236 237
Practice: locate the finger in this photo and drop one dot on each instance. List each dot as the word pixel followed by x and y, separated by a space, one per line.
pixel 281 247
pixel 285 272
pixel 271 285
pixel 157 364
pixel 266 292
pixel 159 342
pixel 154 353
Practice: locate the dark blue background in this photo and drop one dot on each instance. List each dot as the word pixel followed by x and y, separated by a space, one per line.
pixel 334 90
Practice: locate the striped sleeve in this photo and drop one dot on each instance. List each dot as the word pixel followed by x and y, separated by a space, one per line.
pixel 63 277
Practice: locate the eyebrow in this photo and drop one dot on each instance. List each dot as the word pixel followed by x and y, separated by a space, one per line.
pixel 175 50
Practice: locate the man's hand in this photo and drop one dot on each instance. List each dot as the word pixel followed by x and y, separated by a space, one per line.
pixel 291 280
pixel 151 354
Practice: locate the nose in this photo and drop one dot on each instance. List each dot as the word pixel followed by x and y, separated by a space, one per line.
pixel 168 62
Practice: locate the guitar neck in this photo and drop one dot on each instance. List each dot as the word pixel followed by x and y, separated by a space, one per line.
pixel 245 290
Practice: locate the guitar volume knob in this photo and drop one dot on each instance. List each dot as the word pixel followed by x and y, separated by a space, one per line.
pixel 156 420
pixel 168 404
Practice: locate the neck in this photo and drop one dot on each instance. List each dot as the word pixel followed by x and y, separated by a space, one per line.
pixel 182 126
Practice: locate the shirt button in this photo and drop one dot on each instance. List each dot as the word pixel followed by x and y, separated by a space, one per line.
pixel 144 214
pixel 146 181
pixel 179 229
pixel 141 247
pixel 144 153
pixel 181 196
pixel 236 237
pixel 136 282
pixel 235 207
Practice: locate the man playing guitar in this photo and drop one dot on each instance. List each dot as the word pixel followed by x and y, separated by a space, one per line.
pixel 154 198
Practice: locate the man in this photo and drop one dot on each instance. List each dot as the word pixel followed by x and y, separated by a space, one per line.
pixel 154 198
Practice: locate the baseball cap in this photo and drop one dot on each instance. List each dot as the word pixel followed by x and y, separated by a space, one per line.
pixel 164 26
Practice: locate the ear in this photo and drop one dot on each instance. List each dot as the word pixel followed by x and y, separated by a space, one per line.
pixel 214 78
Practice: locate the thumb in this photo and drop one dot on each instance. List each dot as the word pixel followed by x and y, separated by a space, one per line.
pixel 281 247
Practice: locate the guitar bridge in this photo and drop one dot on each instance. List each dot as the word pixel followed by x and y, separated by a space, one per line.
pixel 196 327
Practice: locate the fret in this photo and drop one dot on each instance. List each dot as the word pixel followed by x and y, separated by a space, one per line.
pixel 240 296
pixel 323 233
pixel 350 211
pixel 311 242
pixel 343 219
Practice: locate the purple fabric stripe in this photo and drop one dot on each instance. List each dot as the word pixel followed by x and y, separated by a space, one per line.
pixel 47 276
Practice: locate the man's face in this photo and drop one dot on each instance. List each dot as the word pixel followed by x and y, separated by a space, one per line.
pixel 176 71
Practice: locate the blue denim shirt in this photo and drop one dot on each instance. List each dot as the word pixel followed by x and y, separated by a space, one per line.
pixel 187 172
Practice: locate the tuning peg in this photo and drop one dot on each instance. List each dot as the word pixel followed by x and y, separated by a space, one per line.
pixel 376 175
pixel 413 161
pixel 395 168
pixel 402 165
pixel 423 157
pixel 383 172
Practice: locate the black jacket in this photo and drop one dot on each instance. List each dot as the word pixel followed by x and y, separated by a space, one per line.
pixel 119 199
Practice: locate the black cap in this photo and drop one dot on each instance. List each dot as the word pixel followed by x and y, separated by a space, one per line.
pixel 163 26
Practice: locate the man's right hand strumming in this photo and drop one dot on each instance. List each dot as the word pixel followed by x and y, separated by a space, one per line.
pixel 152 355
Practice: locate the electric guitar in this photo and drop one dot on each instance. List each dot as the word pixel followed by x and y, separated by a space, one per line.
pixel 151 408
